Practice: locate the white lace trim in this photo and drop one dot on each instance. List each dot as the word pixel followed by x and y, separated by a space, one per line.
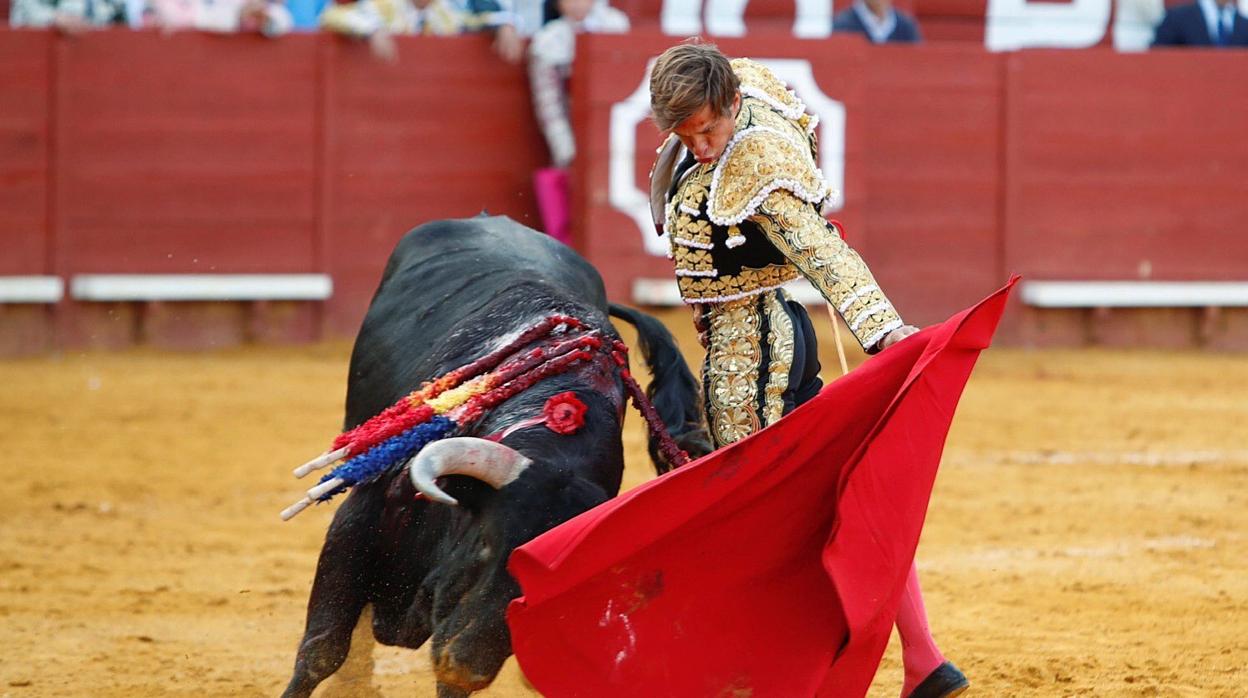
pixel 794 113
pixel 864 315
pixel 881 333
pixel 858 293
pixel 693 243
pixel 789 184
pixel 812 124
pixel 689 209
pixel 735 241
pixel 691 272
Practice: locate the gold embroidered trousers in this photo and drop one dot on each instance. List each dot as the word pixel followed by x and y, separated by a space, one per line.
pixel 761 362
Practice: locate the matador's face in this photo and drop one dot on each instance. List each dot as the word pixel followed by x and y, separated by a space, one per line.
pixel 706 133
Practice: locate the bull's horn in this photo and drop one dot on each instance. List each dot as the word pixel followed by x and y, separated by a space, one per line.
pixel 492 463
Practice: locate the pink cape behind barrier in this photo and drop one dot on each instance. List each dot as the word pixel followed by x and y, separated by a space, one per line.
pixel 772 567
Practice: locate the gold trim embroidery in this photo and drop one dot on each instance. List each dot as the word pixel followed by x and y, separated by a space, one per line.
pixel 691 193
pixel 834 268
pixel 732 361
pixel 760 162
pixel 692 259
pixel 780 343
pixel 750 282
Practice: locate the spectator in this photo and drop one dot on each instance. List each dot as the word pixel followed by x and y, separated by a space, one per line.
pixel 306 14
pixel 879 21
pixel 529 16
pixel 69 16
pixel 1203 23
pixel 550 64
pixel 268 17
pixel 379 20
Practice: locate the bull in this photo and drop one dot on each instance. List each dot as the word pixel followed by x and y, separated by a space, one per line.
pixel 434 567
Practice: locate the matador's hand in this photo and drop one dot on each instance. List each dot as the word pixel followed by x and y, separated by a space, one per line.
pixel 897 335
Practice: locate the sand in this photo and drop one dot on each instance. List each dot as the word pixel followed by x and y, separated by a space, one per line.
pixel 1087 534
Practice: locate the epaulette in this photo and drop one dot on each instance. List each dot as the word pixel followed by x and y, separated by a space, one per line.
pixel 759 82
pixel 758 161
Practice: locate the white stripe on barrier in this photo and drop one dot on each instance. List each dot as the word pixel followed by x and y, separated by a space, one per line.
pixel 201 287
pixel 31 289
pixel 1134 294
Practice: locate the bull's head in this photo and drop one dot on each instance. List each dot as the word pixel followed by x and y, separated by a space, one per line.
pixel 470 594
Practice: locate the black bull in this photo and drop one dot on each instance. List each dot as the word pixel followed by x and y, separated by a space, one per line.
pixel 450 292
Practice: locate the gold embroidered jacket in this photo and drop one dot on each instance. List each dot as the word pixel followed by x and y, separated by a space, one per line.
pixel 749 222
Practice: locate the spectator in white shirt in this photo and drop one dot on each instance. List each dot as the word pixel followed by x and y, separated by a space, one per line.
pixel 550 65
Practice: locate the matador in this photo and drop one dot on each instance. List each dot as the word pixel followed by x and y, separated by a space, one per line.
pixel 741 227
pixel 737 190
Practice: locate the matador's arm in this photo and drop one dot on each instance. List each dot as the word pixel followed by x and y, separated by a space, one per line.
pixel 833 267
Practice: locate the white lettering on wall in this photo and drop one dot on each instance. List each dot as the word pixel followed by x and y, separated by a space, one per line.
pixel 681 17
pixel 1134 21
pixel 1016 24
pixel 625 115
pixel 622 188
pixel 814 19
pixel 725 17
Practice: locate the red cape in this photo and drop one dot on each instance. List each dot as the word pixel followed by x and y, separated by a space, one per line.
pixel 772 567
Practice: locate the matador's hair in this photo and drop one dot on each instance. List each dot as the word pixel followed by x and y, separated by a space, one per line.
pixel 687 77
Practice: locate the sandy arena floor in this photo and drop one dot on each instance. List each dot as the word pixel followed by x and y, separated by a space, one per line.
pixel 1087 534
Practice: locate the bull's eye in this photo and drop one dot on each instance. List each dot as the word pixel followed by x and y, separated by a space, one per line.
pixel 485 553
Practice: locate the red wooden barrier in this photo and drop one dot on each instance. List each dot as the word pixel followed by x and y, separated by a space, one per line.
pixel 186 154
pixel 141 153
pixel 25 71
pixel 933 176
pixel 1127 166
pixel 134 152
pixel 446 132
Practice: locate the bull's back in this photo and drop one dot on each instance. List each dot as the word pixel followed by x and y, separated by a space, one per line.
pixel 454 275
pixel 492 252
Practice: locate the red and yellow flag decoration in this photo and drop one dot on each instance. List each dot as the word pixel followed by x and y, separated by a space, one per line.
pixel 770 568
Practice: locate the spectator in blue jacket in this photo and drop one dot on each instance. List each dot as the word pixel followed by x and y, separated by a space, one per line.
pixel 879 21
pixel 1203 23
pixel 306 14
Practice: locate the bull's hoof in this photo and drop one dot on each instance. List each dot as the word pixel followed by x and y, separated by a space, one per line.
pixel 945 682
pixel 453 676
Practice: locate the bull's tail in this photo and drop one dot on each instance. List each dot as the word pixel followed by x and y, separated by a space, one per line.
pixel 673 390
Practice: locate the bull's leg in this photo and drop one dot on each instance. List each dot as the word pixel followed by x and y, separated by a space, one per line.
pixel 445 690
pixel 339 592
pixel 355 677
